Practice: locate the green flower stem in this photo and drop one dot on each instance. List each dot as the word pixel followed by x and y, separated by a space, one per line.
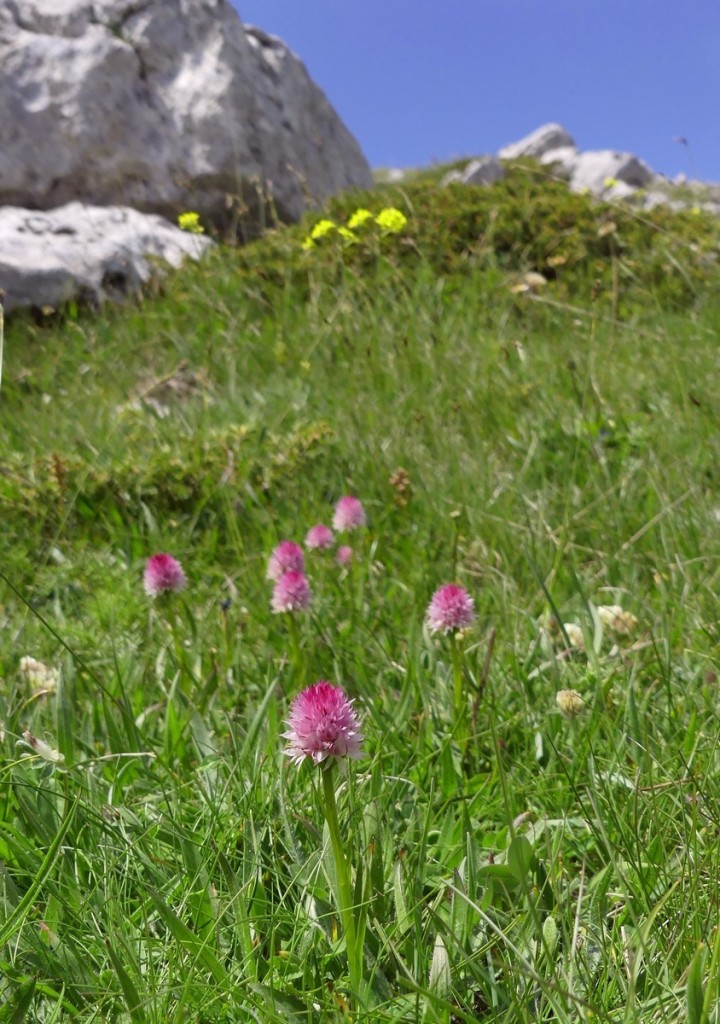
pixel 347 915
pixel 296 656
pixel 461 728
pixel 457 676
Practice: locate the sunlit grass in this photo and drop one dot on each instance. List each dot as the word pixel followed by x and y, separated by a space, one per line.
pixel 552 453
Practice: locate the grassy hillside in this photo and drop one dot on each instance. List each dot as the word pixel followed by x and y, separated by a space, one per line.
pixel 548 442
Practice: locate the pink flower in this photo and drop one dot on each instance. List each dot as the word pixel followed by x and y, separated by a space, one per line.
pixel 349 514
pixel 287 557
pixel 291 593
pixel 451 608
pixel 319 538
pixel 322 724
pixel 344 555
pixel 163 573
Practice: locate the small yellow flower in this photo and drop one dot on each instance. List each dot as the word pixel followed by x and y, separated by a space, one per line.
pixel 349 236
pixel 359 218
pixel 190 221
pixel 570 703
pixel 307 243
pixel 391 220
pixel 695 211
pixel 321 229
pixel 610 182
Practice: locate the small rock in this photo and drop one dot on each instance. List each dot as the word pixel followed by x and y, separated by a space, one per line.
pixel 651 200
pixel 83 252
pixel 617 191
pixel 485 170
pixel 596 168
pixel 539 142
pixel 561 160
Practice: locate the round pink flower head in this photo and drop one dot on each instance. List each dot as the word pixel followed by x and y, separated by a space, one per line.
pixel 322 724
pixel 319 538
pixel 287 557
pixel 291 593
pixel 163 573
pixel 344 555
pixel 349 514
pixel 451 608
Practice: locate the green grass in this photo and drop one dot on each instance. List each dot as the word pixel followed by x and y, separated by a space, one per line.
pixel 560 453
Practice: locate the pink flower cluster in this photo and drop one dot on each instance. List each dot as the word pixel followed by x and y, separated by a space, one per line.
pixel 451 608
pixel 349 514
pixel 163 574
pixel 287 557
pixel 322 724
pixel 291 593
pixel 286 566
pixel 319 538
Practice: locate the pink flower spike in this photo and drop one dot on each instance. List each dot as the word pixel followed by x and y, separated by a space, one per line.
pixel 349 514
pixel 344 555
pixel 319 538
pixel 322 724
pixel 287 557
pixel 451 608
pixel 291 593
pixel 163 573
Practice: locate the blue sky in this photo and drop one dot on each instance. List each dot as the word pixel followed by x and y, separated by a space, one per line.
pixel 423 80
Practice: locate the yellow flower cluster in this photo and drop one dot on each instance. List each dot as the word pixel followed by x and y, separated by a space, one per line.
pixel 359 218
pixel 190 221
pixel 389 220
pixel 321 229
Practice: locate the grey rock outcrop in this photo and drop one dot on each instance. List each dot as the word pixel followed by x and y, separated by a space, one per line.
pixel 482 171
pixel 604 172
pixel 85 252
pixel 544 139
pixel 486 170
pixel 162 105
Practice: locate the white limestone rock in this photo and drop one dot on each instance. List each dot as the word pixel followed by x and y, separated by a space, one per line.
pixel 163 105
pixel 561 161
pixel 618 191
pixel 89 253
pixel 652 200
pixel 539 142
pixel 595 169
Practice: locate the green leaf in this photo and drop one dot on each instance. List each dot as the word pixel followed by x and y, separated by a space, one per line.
pixel 64 712
pixel 130 993
pixel 191 942
pixel 440 980
pixel 550 934
pixel 15 920
pixel 695 988
pixel 15 1010
pixel 520 857
pixel 401 911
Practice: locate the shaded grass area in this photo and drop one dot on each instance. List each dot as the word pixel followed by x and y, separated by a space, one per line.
pixel 559 451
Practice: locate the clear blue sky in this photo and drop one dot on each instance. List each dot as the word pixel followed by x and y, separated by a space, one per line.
pixel 423 80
